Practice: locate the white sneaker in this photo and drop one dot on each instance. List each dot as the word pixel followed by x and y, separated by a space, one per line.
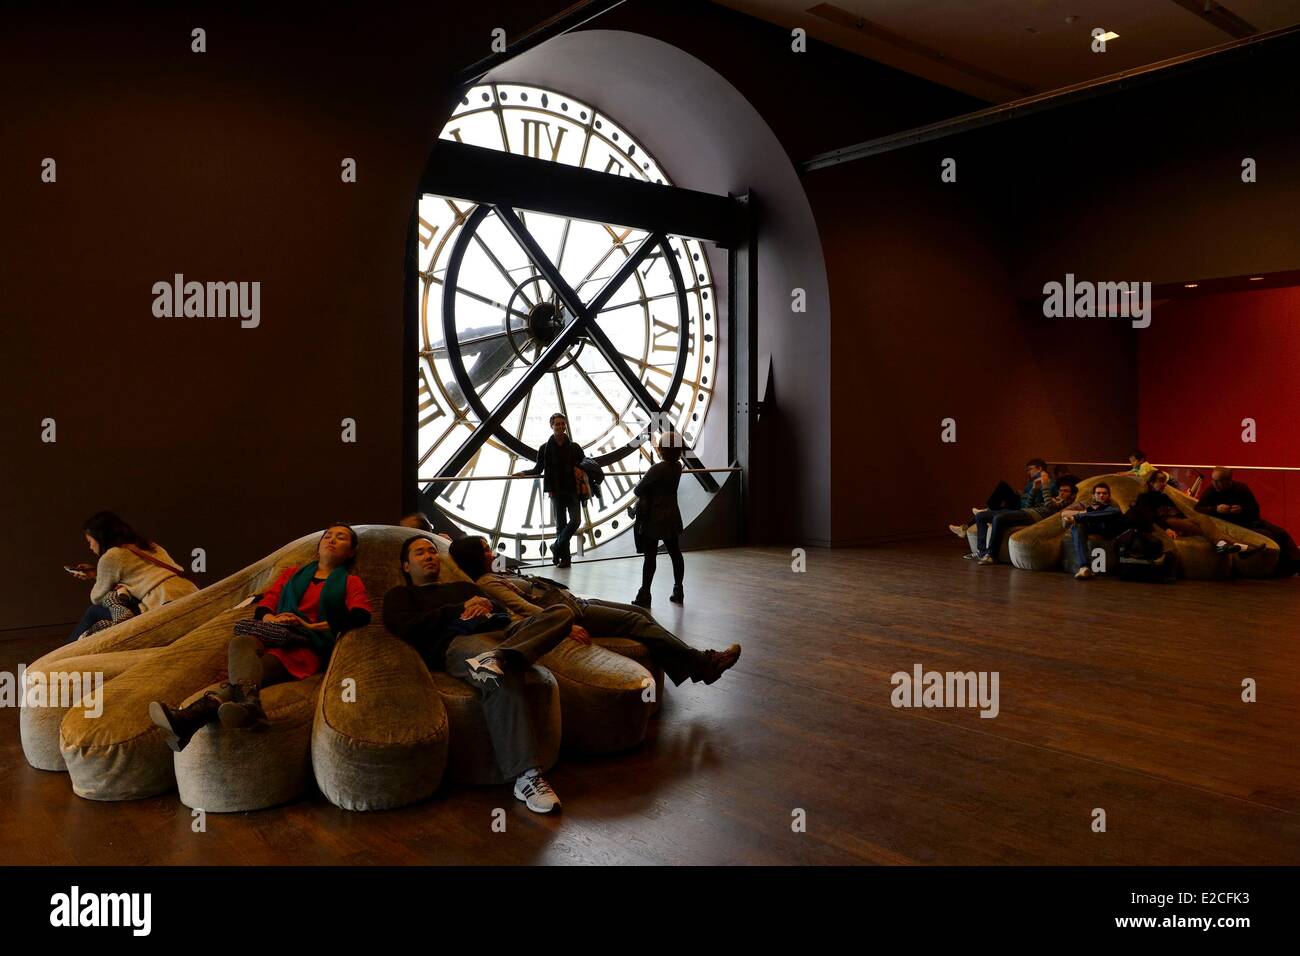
pixel 971 557
pixel 532 788
pixel 484 668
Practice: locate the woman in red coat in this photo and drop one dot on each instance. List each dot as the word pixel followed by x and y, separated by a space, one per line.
pixel 299 619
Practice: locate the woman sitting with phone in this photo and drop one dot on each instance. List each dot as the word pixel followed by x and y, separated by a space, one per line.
pixel 133 575
pixel 291 636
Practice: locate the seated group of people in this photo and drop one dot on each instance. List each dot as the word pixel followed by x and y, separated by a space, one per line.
pixel 1153 512
pixel 487 633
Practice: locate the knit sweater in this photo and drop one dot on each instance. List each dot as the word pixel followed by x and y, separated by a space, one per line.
pixel 428 616
pixel 149 584
pixel 1048 508
pixel 523 596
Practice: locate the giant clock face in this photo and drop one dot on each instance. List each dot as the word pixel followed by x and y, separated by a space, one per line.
pixel 489 312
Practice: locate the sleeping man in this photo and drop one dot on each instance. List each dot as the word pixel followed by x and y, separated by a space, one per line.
pixel 456 627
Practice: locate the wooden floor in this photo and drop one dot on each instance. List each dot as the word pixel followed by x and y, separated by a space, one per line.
pixel 1119 696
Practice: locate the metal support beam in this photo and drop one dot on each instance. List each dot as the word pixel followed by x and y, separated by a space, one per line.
pixel 1272 43
pixel 742 360
pixel 494 177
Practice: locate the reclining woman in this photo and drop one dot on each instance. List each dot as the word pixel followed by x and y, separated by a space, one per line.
pixel 133 575
pixel 523 595
pixel 295 626
pixel 1155 509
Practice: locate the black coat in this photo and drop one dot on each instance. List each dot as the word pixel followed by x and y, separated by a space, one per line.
pixel 657 514
pixel 555 463
pixel 1237 493
pixel 1150 509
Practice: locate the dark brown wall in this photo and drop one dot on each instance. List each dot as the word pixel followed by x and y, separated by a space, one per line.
pixel 225 166
pixel 927 328
pixel 936 289
pixel 1147 184
pixel 220 166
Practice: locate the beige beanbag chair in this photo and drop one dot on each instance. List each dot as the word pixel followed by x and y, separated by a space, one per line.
pixel 605 698
pixel 39 727
pixel 52 688
pixel 634 650
pixel 121 755
pixel 1040 547
pixel 381 730
pixel 229 771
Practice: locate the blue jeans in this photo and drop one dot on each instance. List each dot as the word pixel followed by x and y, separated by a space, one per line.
pixel 1107 526
pixel 567 514
pixel 94 613
pixel 995 524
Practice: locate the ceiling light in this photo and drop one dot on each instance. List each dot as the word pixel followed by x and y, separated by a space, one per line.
pixel 1256 278
pixel 1189 285
pixel 1108 36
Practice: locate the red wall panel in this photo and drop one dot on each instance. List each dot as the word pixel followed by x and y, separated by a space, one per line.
pixel 1206 363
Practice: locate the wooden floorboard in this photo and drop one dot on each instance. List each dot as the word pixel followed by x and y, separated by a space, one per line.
pixel 1112 695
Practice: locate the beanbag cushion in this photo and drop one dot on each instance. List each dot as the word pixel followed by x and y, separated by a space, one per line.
pixel 121 755
pixel 633 649
pixel 605 699
pixel 47 702
pixel 232 770
pixel 381 731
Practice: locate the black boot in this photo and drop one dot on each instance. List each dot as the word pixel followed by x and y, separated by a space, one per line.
pixel 642 598
pixel 677 597
pixel 245 707
pixel 181 725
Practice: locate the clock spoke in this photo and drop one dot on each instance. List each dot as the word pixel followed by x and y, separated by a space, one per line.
pixel 559 394
pixel 624 272
pixel 486 300
pixel 597 391
pixel 476 340
pixel 564 244
pixel 490 421
pixel 505 273
pixel 505 499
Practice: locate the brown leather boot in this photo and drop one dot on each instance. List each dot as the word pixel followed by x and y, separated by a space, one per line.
pixel 717 663
pixel 180 726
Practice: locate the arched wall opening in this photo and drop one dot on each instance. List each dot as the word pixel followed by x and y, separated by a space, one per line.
pixel 708 137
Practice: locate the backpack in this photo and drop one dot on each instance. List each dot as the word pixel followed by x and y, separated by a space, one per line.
pixel 590 478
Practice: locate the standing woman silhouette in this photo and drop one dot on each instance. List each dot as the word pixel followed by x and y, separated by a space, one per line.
pixel 658 518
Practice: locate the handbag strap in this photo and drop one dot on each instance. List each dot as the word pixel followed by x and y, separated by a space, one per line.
pixel 145 555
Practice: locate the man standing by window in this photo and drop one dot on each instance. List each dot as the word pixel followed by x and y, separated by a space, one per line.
pixel 557 463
